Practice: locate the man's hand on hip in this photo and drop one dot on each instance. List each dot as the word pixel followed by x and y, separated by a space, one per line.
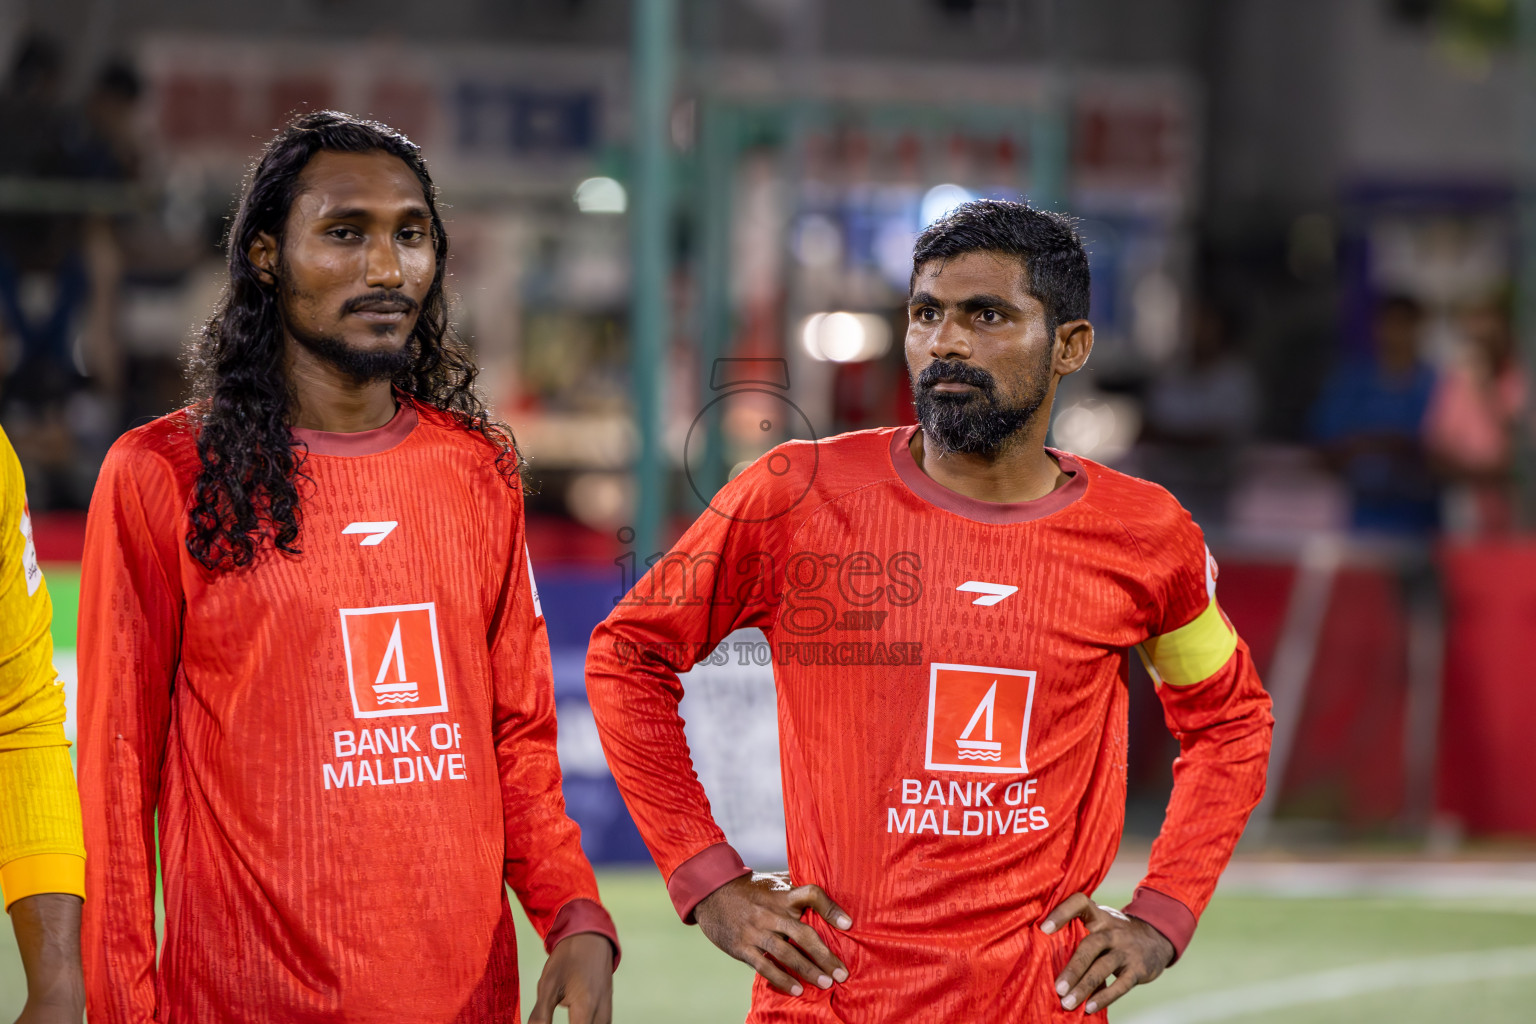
pixel 1132 951
pixel 757 921
pixel 579 976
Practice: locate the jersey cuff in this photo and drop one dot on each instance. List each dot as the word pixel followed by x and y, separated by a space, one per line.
pixel 701 874
pixel 40 873
pixel 1168 915
pixel 583 915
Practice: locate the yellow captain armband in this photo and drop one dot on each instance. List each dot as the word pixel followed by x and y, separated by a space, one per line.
pixel 1192 653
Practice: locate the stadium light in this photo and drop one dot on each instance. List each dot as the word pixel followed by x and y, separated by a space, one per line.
pixel 941 200
pixel 601 500
pixel 842 337
pixel 1101 428
pixel 601 195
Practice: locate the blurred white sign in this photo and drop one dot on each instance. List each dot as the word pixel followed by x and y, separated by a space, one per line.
pixel 733 731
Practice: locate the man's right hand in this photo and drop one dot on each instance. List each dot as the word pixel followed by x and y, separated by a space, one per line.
pixel 757 921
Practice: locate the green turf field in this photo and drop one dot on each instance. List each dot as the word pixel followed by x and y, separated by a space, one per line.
pixel 1258 959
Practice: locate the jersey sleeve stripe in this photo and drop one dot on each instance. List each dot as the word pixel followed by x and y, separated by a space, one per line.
pixel 43 872
pixel 1192 653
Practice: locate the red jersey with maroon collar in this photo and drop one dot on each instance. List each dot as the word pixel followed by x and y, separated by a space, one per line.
pixel 952 693
pixel 349 750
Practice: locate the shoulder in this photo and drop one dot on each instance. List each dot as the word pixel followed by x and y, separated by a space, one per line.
pixel 1152 516
pixel 466 453
pixel 442 428
pixel 1176 564
pixel 837 464
pixel 806 474
pixel 1141 504
pixel 164 445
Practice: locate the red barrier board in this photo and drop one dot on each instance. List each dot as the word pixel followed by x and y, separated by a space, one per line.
pixel 1488 718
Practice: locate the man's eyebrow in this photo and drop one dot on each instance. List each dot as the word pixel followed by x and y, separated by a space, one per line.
pixel 356 212
pixel 985 301
pixel 969 304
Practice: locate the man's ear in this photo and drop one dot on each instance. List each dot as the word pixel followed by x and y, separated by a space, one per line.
pixel 263 256
pixel 1074 342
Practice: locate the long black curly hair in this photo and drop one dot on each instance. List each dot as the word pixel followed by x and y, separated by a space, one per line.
pixel 248 490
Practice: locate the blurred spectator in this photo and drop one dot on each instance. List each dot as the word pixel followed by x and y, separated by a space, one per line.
pixel 1472 419
pixel 60 269
pixel 1200 413
pixel 109 153
pixel 1370 422
pixel 113 147
pixel 42 277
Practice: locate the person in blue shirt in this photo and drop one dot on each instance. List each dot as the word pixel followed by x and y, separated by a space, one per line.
pixel 1370 418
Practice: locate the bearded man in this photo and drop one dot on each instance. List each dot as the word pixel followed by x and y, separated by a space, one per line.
pixel 950 609
pixel 312 652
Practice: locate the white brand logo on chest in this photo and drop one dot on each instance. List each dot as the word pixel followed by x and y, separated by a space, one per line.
pixel 376 532
pixel 991 593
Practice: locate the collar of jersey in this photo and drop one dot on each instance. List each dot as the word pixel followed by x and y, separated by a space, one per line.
pixel 362 442
pixel 998 512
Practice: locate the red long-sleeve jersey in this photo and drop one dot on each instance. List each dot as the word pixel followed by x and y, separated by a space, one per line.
pixel 348 750
pixel 952 692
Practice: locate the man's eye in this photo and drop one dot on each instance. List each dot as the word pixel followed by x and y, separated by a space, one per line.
pixel 991 316
pixel 343 233
pixel 412 235
pixel 928 313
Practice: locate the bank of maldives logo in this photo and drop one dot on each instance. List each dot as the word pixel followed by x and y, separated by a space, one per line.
pixel 394 662
pixel 978 718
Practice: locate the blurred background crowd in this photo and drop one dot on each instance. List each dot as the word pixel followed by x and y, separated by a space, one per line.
pixel 1312 240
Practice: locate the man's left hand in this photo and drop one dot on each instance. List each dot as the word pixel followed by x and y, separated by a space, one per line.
pixel 578 976
pixel 1132 951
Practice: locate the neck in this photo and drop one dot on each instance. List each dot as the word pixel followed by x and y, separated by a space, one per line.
pixel 324 398
pixel 1022 470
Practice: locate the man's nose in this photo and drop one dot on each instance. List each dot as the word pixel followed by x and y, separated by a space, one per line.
pixel 950 340
pixel 384 265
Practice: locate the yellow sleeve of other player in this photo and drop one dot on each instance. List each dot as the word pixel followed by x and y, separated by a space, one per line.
pixel 41 849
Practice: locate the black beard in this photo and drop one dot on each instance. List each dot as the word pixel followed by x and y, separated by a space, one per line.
pixel 977 423
pixel 363 366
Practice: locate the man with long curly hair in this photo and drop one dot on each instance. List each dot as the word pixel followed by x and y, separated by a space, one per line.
pixel 310 642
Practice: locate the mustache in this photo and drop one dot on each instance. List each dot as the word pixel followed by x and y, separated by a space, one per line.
pixel 387 301
pixel 947 371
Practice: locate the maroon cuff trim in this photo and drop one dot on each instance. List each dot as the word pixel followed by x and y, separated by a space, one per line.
pixel 583 915
pixel 701 874
pixel 1168 915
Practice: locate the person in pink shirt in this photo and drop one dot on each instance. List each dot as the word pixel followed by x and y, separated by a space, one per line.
pixel 1473 416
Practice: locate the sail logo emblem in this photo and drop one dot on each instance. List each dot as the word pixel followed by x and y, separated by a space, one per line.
pixel 394 660
pixel 978 718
